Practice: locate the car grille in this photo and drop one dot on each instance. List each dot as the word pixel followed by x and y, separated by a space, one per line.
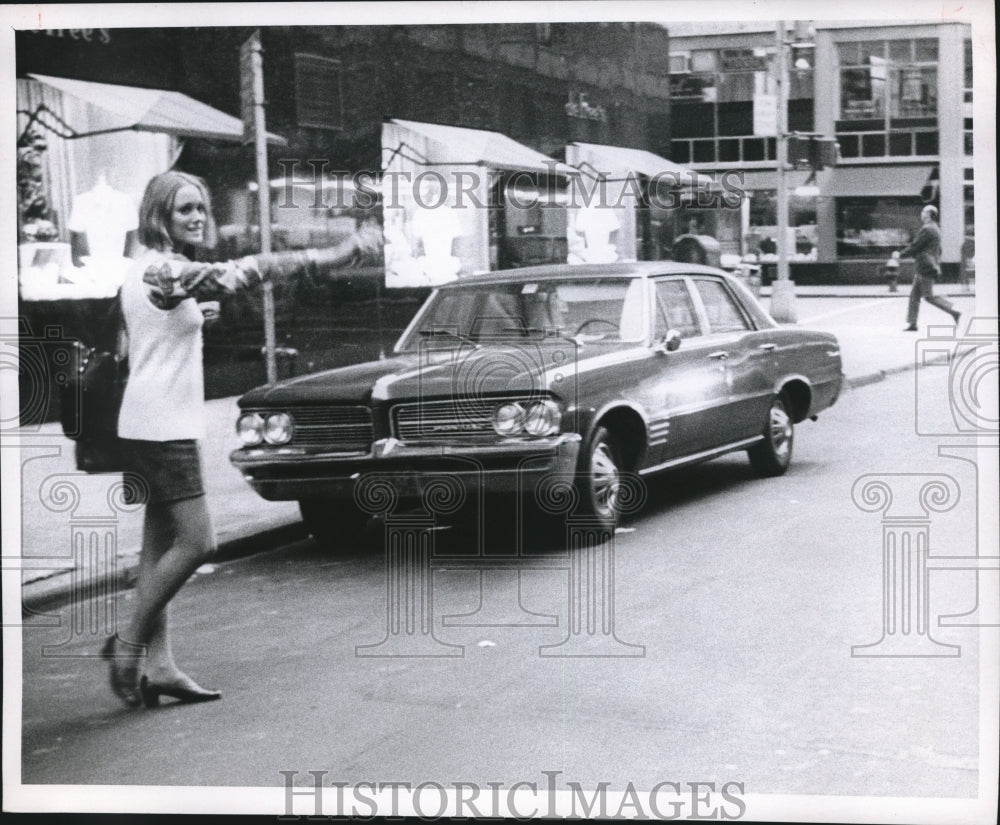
pixel 462 417
pixel 434 418
pixel 333 428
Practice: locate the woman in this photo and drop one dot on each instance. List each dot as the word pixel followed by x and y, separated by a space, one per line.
pixel 162 415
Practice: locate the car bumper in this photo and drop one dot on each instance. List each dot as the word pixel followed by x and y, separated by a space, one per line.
pixel 283 474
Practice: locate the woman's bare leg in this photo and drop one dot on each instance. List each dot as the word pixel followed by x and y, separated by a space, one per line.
pixel 177 539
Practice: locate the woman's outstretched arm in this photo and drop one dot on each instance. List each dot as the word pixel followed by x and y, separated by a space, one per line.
pixel 170 282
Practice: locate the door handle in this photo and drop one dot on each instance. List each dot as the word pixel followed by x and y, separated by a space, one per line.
pixel 719 356
pixel 767 347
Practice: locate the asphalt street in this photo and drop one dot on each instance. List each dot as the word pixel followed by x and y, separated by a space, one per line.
pixel 737 602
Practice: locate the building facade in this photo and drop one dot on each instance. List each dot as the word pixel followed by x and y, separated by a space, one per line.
pixel 896 97
pixel 511 99
pixel 329 88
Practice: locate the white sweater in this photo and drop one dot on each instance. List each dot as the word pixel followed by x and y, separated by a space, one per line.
pixel 165 396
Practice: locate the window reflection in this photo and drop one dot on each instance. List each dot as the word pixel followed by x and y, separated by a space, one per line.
pixel 595 311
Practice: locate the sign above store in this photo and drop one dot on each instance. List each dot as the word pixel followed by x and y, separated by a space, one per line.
pixel 741 60
pixel 101 36
pixel 693 87
pixel 579 107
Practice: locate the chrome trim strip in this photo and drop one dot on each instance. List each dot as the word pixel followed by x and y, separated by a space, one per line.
pixel 725 448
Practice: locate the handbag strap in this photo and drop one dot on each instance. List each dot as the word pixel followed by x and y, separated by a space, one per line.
pixel 117 318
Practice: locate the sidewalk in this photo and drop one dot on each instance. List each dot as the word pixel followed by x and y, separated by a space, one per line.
pixel 69 518
pixel 57 500
pixel 873 291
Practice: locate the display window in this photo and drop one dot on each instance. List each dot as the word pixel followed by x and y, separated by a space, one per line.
pixel 762 233
pixel 894 79
pixel 874 227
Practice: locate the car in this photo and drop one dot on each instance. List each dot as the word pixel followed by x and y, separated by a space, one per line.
pixel 595 374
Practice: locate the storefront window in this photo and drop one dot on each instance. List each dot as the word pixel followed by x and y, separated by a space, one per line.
pixel 881 77
pixel 862 93
pixel 703 61
pixel 925 51
pixel 914 92
pixel 874 227
pixel 717 100
pixel 901 51
pixel 761 238
pixel 534 223
pixel 886 89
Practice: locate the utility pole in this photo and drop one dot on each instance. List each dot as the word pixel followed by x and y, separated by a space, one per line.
pixel 783 289
pixel 252 100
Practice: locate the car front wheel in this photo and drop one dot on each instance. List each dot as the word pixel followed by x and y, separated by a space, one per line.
pixel 772 456
pixel 334 526
pixel 600 478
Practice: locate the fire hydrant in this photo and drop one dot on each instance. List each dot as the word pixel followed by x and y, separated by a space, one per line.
pixel 891 270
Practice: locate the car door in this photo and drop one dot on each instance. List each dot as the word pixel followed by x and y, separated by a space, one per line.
pixel 747 358
pixel 691 388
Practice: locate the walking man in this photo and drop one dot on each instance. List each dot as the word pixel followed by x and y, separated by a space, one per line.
pixel 926 250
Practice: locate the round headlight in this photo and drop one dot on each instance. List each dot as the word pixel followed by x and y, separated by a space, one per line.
pixel 508 419
pixel 542 418
pixel 250 429
pixel 278 428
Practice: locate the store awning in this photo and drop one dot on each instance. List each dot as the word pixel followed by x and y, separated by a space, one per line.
pixel 621 160
pixel 458 145
pixel 874 181
pixel 120 108
pixel 768 179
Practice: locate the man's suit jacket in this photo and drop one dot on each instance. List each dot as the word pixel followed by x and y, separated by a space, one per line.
pixel 926 250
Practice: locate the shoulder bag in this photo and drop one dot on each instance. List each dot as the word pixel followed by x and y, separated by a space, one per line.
pixel 91 399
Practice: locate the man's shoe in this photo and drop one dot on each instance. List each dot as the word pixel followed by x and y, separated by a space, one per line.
pixel 910 328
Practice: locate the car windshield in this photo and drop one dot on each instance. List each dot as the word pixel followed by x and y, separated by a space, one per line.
pixel 611 310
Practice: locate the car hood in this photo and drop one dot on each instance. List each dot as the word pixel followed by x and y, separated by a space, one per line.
pixel 487 370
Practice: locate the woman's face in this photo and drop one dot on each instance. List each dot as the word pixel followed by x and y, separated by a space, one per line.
pixel 187 217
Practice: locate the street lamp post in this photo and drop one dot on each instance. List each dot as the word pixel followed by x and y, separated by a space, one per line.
pixel 783 289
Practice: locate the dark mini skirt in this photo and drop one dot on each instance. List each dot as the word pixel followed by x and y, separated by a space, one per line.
pixel 161 471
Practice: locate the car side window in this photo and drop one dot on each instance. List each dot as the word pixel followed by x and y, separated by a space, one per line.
pixel 724 314
pixel 674 309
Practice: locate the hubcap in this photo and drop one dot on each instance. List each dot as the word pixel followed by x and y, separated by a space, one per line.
pixel 605 478
pixel 781 431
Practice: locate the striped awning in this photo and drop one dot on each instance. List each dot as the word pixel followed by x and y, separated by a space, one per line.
pixel 622 160
pixel 121 108
pixel 457 145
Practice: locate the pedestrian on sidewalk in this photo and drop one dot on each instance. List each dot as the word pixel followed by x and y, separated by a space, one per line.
pixel 926 250
pixel 163 412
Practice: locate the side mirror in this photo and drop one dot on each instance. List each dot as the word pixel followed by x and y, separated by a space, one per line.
pixel 670 342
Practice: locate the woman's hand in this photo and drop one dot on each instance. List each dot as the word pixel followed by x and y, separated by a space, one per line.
pixel 211 311
pixel 369 239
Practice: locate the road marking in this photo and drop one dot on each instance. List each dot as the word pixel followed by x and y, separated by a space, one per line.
pixel 832 312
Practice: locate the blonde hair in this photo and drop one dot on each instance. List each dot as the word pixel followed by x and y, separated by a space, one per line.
pixel 158 203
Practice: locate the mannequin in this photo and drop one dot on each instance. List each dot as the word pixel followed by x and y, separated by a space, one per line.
pixel 102 223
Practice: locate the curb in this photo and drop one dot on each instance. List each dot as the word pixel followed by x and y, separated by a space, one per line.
pixel 57 590
pixel 766 293
pixel 881 375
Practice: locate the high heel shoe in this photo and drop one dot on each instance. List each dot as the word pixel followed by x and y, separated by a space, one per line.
pixel 186 690
pixel 123 681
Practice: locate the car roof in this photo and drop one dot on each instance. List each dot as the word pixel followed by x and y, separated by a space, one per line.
pixel 634 269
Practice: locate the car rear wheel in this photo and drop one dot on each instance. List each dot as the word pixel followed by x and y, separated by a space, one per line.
pixel 334 526
pixel 600 478
pixel 772 456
